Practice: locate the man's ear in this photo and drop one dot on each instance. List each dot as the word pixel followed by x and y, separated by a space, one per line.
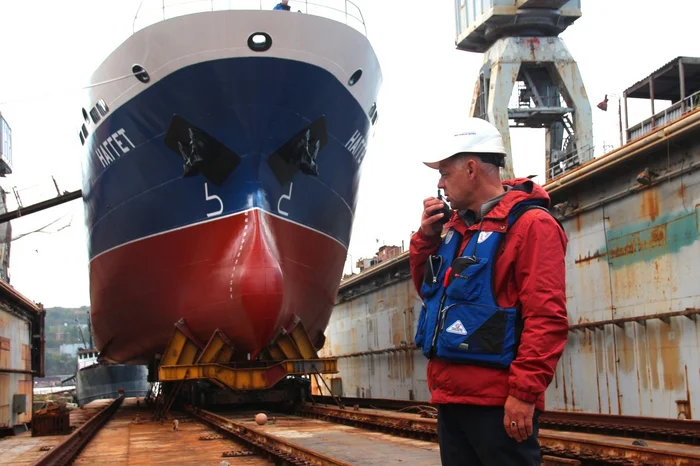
pixel 471 167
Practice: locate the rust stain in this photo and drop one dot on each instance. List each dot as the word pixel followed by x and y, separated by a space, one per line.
pixel 657 238
pixel 612 372
pixel 586 341
pixel 573 393
pixel 394 366
pixel 626 353
pixel 4 352
pixel 642 360
pixel 681 191
pixel 397 327
pixel 600 367
pixel 687 394
pixel 653 341
pixel 671 356
pixel 563 389
pixel 27 357
pixel 650 204
pixel 408 364
pixel 578 223
pixel 590 257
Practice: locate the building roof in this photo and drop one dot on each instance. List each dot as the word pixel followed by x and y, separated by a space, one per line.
pixel 9 293
pixel 371 271
pixel 667 81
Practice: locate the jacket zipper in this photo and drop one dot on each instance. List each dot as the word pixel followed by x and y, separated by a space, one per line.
pixel 443 317
pixel 439 321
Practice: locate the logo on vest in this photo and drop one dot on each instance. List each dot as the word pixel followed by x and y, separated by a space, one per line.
pixel 448 236
pixel 456 328
pixel 483 236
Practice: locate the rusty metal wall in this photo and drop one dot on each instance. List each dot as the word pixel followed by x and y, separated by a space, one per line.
pixel 635 257
pixel 373 334
pixel 15 355
pixel 633 299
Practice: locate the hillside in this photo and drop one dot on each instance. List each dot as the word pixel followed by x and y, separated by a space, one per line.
pixel 63 326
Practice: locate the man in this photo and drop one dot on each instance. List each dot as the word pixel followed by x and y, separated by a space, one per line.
pixel 283 5
pixel 494 321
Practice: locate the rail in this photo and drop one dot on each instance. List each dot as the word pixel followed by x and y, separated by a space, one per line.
pixel 66 451
pixel 570 161
pixel 153 11
pixel 586 449
pixel 277 449
pixel 665 116
pixel 649 428
pixel 673 430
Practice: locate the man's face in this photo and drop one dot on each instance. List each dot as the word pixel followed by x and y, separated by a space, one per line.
pixel 456 181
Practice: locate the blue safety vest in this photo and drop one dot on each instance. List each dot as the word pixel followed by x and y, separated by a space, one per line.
pixel 460 320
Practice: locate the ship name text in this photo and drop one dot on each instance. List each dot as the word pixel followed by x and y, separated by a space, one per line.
pixel 357 145
pixel 116 145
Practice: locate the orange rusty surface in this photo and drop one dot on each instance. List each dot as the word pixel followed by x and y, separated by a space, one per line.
pixel 24 449
pixel 126 440
pixel 650 204
pixel 596 255
pixel 5 352
pixel 354 445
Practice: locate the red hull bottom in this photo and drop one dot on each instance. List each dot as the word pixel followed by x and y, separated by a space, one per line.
pixel 249 275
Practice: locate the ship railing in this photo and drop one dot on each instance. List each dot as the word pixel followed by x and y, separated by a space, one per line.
pixel 665 116
pixel 570 161
pixel 153 11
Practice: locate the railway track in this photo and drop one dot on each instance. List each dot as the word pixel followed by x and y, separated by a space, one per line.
pixel 636 427
pixel 274 448
pixel 65 452
pixel 559 447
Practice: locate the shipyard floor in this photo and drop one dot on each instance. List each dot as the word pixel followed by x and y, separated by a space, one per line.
pixel 325 433
pixel 351 444
pixel 131 440
pixel 24 449
pixel 130 437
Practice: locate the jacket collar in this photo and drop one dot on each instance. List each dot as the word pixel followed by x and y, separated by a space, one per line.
pixel 495 211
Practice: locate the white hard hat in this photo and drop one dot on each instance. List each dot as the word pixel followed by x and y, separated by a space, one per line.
pixel 475 136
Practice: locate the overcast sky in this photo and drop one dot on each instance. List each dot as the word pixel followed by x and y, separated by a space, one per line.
pixel 50 49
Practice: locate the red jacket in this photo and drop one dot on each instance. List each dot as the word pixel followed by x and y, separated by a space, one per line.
pixel 530 274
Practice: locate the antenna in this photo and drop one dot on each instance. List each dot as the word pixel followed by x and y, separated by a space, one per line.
pixel 89 327
pixel 82 337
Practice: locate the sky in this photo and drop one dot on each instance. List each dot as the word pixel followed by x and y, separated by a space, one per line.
pixel 50 49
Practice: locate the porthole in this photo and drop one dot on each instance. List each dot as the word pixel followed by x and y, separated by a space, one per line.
pixel 259 42
pixel 140 73
pixel 102 107
pixel 355 77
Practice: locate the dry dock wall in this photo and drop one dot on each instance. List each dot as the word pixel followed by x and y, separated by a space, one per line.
pixel 633 293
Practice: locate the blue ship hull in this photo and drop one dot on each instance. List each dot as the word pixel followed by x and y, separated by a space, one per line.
pixel 152 229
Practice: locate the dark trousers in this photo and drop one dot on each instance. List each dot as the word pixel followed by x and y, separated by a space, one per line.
pixel 474 436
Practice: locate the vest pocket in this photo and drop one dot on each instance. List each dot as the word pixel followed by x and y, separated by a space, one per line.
pixel 420 330
pixel 467 284
pixel 476 334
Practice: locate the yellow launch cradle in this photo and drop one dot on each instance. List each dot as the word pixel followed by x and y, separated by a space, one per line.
pixel 292 353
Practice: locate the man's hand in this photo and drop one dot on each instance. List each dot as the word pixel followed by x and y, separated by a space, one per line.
pixel 520 413
pixel 429 225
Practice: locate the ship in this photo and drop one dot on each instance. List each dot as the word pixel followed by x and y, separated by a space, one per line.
pixel 222 155
pixel 97 381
